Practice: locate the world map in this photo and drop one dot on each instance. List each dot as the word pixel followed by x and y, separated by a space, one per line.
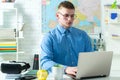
pixel 88 14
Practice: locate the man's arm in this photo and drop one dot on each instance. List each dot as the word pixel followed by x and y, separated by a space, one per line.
pixel 46 56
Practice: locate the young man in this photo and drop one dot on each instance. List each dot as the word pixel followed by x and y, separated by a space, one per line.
pixel 63 44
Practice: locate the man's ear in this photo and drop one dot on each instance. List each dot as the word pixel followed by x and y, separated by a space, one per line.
pixel 57 15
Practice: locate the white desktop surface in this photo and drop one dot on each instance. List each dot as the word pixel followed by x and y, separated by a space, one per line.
pixel 114 75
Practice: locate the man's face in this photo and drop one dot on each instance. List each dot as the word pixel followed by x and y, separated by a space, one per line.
pixel 65 17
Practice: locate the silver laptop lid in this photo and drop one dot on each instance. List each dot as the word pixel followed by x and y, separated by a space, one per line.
pixel 91 64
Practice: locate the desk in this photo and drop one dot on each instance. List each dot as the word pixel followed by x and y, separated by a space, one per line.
pixel 114 75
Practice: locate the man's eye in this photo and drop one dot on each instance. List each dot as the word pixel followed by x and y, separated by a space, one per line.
pixel 72 16
pixel 66 15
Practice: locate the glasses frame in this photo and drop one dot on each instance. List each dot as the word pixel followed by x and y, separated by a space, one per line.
pixel 66 16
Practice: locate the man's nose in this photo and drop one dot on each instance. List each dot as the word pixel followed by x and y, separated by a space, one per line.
pixel 70 18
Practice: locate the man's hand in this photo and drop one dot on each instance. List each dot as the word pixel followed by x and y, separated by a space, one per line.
pixel 71 70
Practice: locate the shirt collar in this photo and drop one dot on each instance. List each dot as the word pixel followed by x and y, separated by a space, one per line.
pixel 62 29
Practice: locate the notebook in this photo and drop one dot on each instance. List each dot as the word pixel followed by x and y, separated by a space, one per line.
pixel 94 64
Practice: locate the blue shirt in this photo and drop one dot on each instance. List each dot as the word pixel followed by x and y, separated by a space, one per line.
pixel 62 46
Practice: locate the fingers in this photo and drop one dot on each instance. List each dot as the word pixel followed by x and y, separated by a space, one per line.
pixel 71 70
pixel 74 71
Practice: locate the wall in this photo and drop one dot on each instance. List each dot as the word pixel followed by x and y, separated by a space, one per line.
pixel 30 9
pixel 108 30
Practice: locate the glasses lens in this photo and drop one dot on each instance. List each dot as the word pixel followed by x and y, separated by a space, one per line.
pixel 68 15
pixel 73 16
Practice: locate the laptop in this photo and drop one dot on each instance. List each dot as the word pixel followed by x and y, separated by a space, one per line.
pixel 94 64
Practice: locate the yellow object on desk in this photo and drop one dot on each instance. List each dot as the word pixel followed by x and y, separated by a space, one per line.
pixel 42 74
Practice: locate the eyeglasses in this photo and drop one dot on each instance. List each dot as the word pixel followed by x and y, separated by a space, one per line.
pixel 73 16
